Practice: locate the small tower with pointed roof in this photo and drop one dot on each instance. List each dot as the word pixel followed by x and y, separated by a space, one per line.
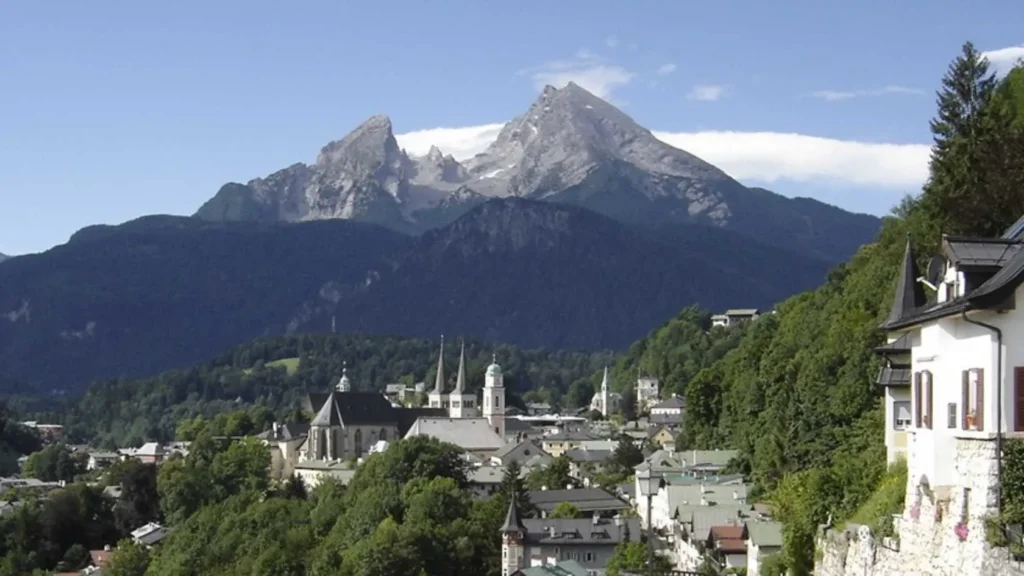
pixel 461 403
pixel 513 537
pixel 605 396
pixel 437 398
pixel 909 293
pixel 344 385
pixel 494 397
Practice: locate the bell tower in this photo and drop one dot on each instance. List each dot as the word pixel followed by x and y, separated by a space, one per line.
pixel 494 397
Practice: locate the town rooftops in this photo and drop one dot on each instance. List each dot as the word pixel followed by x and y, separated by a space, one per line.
pixel 585 499
pixel 698 520
pixel 563 568
pixel 741 312
pixel 582 531
pixel 765 534
pixel 150 449
pixel 150 534
pixel 569 436
pixel 672 402
pixel 588 455
pixel 471 434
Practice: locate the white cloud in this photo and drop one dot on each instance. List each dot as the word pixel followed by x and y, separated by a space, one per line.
pixel 665 69
pixel 1004 59
pixel 764 157
pixel 706 92
pixel 836 95
pixel 462 143
pixel 775 156
pixel 611 42
pixel 587 69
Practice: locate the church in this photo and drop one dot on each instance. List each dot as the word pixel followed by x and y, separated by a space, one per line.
pixel 348 423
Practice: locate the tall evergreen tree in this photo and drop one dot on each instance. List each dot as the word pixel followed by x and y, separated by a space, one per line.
pixel 960 196
pixel 513 485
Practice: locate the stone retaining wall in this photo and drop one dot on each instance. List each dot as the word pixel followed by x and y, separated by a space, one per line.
pixel 930 541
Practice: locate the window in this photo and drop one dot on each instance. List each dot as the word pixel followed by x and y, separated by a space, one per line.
pixel 951 415
pixel 973 392
pixel 923 399
pixel 590 556
pixel 901 415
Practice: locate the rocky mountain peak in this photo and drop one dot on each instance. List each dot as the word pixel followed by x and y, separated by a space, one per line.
pixel 373 140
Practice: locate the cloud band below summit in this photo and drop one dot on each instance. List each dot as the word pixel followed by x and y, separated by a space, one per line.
pixel 747 156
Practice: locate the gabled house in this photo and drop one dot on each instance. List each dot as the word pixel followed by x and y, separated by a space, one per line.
pixel 967 371
pixel 527 450
pixel 727 546
pixel 763 539
pixel 662 436
pixel 669 411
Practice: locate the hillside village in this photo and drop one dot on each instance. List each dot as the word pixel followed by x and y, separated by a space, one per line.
pixel 696 512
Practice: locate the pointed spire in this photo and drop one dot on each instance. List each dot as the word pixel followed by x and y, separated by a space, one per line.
pixel 512 522
pixel 909 293
pixel 439 379
pixel 460 381
pixel 604 381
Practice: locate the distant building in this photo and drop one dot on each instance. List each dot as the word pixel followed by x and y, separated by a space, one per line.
pixel 536 542
pixel 605 401
pixel 647 390
pixel 735 316
pixel 669 411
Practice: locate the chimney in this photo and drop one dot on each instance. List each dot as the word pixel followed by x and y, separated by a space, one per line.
pixel 276 428
pixel 735 495
pixel 703 488
pixel 619 521
pixel 551 532
pixel 106 547
pixel 596 519
pixel 694 463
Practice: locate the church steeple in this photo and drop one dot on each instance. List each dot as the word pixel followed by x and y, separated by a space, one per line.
pixel 512 522
pixel 604 381
pixel 460 381
pixel 439 379
pixel 513 547
pixel 344 385
pixel 909 293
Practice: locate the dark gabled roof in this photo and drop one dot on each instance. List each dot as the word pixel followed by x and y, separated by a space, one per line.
pixel 979 252
pixel 328 415
pixel 893 376
pixel 909 293
pixel 313 401
pixel 898 346
pixel 406 417
pixel 517 425
pixel 585 499
pixel 581 455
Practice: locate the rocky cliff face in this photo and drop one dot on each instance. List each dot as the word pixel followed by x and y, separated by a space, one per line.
pixel 569 147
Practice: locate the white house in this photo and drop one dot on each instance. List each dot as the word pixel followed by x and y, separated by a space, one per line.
pixel 966 352
pixel 763 540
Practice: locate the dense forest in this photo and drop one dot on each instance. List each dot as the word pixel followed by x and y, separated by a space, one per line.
pixel 275 373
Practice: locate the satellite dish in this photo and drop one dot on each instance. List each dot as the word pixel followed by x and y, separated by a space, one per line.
pixel 936 270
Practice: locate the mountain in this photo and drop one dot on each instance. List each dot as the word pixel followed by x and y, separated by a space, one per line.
pixel 3 257
pixel 164 292
pixel 568 147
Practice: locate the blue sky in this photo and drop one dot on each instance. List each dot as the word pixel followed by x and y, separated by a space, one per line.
pixel 113 110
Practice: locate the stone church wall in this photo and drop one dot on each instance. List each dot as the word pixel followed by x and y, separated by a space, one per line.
pixel 941 531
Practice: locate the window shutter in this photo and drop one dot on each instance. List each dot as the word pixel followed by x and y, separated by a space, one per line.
pixel 917 399
pixel 930 403
pixel 979 418
pixel 965 380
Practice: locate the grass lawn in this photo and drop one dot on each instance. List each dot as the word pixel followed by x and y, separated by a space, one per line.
pixel 289 364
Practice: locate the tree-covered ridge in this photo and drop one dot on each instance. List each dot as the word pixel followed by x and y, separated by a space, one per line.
pixel 797 395
pixel 130 411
